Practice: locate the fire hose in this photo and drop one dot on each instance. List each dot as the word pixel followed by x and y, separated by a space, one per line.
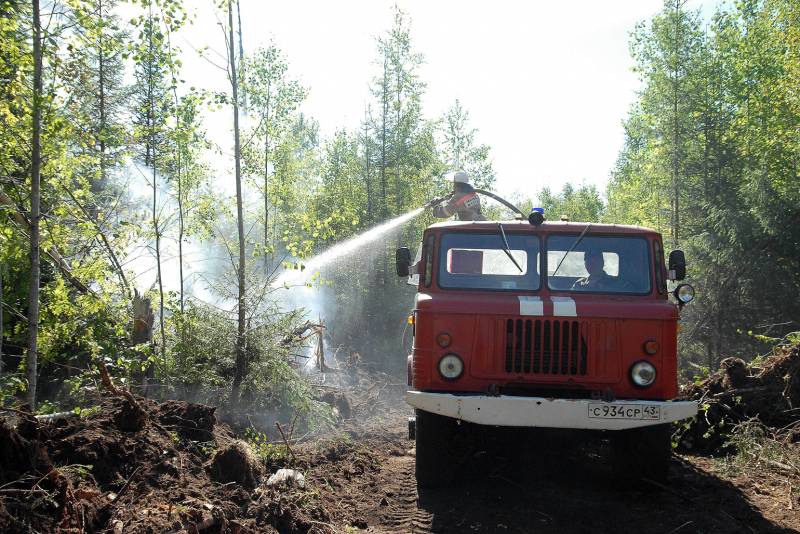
pixel 499 199
pixel 502 201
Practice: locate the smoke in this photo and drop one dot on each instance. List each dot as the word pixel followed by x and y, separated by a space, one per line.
pixel 349 287
pixel 206 258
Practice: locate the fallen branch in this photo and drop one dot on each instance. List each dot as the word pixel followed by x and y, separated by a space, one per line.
pixel 23 413
pixel 125 487
pixel 53 417
pixel 676 529
pixel 106 379
pixel 286 441
pixel 109 385
pixel 20 491
pixel 790 469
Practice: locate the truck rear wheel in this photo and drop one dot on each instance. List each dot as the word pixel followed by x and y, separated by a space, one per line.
pixel 436 463
pixel 641 454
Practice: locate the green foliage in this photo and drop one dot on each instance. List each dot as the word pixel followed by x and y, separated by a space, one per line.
pixel 87 412
pixel 203 356
pixel 273 455
pixel 760 448
pixel 701 372
pixel 459 150
pixel 11 384
pixel 576 204
pixel 708 161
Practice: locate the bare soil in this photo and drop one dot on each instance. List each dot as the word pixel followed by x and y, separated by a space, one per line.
pixel 369 483
pixel 174 468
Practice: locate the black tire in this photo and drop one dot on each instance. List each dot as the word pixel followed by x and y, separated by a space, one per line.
pixel 640 455
pixel 435 436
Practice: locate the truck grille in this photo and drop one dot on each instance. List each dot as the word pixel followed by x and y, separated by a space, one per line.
pixel 543 346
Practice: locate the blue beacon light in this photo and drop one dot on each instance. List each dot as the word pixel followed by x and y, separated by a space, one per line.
pixel 536 217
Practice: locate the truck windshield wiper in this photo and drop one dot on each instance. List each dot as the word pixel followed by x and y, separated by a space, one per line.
pixel 507 248
pixel 575 244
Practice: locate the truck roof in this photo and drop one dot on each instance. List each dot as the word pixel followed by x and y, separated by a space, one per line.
pixel 569 227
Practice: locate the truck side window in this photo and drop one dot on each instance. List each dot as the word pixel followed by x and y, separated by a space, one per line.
pixel 428 261
pixel 659 253
pixel 413 278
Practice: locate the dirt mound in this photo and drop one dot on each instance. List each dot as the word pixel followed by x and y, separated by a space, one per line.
pixel 19 455
pixel 236 463
pixel 767 391
pixel 340 402
pixel 140 466
pixel 192 421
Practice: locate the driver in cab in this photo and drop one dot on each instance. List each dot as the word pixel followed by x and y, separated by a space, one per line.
pixel 597 279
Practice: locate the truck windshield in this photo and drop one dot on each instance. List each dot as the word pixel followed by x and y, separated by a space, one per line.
pixel 480 261
pixel 599 264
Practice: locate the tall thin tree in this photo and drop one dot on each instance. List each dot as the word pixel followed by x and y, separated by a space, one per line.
pixel 384 129
pixel 241 56
pixel 31 359
pixel 676 90
pixel 241 342
pixel 151 86
pixel 367 161
pixel 2 331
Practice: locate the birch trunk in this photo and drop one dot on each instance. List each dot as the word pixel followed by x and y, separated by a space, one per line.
pixel 241 349
pixel 31 357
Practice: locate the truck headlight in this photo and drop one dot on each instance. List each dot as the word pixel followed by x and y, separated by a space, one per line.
pixel 451 366
pixel 684 293
pixel 643 373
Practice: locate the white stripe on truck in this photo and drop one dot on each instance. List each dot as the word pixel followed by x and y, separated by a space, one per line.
pixel 530 305
pixel 564 306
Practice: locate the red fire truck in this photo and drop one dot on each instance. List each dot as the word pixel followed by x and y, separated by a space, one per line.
pixel 545 324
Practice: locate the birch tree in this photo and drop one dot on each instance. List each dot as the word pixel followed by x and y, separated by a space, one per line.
pixel 273 99
pixel 240 371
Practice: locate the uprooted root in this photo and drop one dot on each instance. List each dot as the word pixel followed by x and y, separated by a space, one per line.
pixel 767 392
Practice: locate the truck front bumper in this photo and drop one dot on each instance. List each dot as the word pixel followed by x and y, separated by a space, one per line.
pixel 544 412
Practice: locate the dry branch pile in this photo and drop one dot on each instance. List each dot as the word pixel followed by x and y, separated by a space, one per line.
pixel 766 392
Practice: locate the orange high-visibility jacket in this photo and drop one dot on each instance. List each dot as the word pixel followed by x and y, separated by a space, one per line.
pixel 466 205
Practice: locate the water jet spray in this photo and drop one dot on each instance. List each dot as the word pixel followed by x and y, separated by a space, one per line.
pixel 314 264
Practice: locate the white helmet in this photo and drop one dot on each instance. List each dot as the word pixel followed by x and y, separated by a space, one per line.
pixel 460 177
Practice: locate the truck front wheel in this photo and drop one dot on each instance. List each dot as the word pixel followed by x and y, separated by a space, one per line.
pixel 641 454
pixel 435 437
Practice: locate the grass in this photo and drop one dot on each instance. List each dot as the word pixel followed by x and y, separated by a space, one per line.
pixel 762 449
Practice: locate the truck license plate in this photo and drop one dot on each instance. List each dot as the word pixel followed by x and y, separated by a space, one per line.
pixel 601 410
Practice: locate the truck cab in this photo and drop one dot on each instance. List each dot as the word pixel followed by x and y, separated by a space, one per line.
pixel 552 325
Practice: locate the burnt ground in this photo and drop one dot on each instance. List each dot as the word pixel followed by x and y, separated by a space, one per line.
pixel 368 482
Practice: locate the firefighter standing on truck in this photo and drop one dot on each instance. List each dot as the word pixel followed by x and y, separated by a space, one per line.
pixel 463 202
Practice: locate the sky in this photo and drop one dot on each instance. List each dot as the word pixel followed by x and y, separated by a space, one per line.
pixel 547 84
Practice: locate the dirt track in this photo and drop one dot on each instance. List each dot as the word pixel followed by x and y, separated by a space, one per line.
pixel 371 486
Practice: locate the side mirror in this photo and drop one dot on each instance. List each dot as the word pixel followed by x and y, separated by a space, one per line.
pixel 402 258
pixel 677 265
